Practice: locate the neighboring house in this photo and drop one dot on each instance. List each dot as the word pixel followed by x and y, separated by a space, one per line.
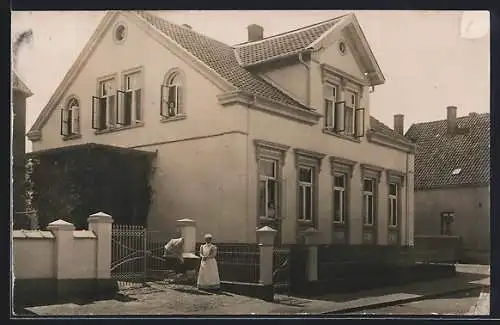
pixel 274 131
pixel 20 92
pixel 452 180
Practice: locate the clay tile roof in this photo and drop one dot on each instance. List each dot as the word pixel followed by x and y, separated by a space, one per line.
pixel 443 160
pixel 284 44
pixel 219 57
pixel 18 84
pixel 222 58
pixel 383 129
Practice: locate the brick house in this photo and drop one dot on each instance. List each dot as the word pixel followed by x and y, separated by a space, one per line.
pixel 274 131
pixel 452 180
pixel 20 92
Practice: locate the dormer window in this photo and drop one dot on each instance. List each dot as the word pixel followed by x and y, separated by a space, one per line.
pixel 342 113
pixel 350 110
pixel 330 95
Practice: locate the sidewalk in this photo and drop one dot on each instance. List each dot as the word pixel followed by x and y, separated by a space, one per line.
pixel 482 307
pixel 165 299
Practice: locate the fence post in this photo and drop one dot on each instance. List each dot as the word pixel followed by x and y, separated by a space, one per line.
pixel 63 232
pixel 101 224
pixel 188 233
pixel 265 237
pixel 312 253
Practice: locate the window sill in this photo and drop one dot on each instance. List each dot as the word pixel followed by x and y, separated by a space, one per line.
pixel 368 226
pixel 393 228
pixel 268 219
pixel 120 128
pixel 341 135
pixel 340 224
pixel 305 222
pixel 71 137
pixel 173 118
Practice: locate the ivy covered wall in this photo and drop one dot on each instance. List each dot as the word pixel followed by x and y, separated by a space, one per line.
pixel 73 182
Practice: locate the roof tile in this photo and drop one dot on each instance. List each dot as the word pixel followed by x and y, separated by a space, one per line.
pixel 438 153
pixel 281 45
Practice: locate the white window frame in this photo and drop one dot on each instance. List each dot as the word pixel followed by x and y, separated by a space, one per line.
pixel 133 90
pixel 266 179
pixel 304 185
pixel 393 214
pixel 174 81
pixel 332 99
pixel 366 195
pixel 342 191
pixel 72 126
pixel 110 96
pixel 350 128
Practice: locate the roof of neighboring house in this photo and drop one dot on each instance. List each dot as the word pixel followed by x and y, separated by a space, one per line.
pixel 283 44
pixel 380 127
pixel 439 154
pixel 18 84
pixel 222 58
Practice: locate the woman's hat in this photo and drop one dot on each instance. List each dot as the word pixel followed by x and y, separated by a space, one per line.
pixel 208 236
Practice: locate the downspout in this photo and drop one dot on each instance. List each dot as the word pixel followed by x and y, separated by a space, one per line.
pixel 308 88
pixel 247 203
pixel 407 197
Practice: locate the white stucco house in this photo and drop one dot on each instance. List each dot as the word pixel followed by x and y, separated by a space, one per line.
pixel 274 131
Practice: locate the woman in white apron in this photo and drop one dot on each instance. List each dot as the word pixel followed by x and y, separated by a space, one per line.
pixel 208 275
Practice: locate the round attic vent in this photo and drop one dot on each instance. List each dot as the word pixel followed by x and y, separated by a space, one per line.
pixel 342 47
pixel 120 33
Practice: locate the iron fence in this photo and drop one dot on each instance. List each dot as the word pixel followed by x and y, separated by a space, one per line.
pixel 239 263
pixel 281 269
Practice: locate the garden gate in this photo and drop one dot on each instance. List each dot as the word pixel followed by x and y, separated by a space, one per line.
pixel 137 254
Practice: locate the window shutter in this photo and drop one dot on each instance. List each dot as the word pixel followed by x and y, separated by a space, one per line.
pixel 164 101
pixel 95 112
pixel 120 103
pixel 112 109
pixel 339 116
pixel 102 113
pixel 64 122
pixel 328 113
pixel 138 108
pixel 178 105
pixel 127 108
pixel 359 120
pixel 75 115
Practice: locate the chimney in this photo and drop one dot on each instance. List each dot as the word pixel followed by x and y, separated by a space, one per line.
pixel 452 119
pixel 255 33
pixel 187 26
pixel 399 123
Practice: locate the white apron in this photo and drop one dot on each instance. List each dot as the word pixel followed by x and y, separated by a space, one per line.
pixel 208 275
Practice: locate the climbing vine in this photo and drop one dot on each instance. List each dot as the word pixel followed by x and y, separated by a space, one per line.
pixel 73 182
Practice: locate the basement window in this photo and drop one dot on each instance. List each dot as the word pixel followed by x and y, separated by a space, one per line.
pixel 456 171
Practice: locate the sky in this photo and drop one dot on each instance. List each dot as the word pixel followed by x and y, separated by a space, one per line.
pixel 430 59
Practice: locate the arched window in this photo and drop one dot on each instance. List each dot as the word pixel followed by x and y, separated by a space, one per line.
pixel 171 95
pixel 70 118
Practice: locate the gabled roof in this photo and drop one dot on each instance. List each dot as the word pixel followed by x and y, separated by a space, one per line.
pixel 18 84
pixel 219 57
pixel 284 44
pixel 439 154
pixel 383 129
